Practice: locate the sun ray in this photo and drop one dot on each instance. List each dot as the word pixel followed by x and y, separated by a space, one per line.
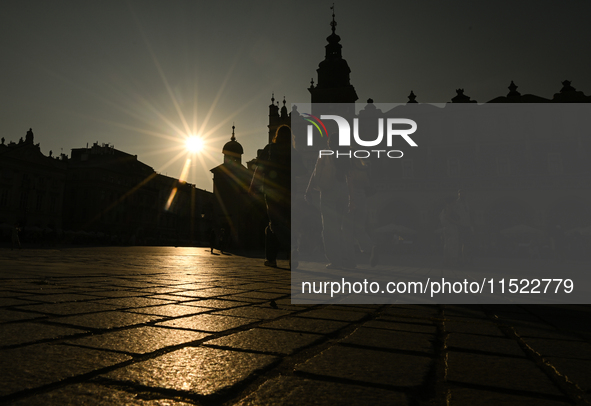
pixel 185 171
pixel 161 73
pixel 170 199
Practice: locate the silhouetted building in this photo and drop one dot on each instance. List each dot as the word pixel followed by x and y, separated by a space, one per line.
pixel 509 182
pixel 119 199
pixel 240 215
pixel 31 189
pixel 528 181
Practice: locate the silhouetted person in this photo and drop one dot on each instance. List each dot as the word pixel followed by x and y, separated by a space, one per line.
pixel 15 239
pixel 358 182
pixel 330 178
pixel 274 170
pixel 212 239
pixel 223 240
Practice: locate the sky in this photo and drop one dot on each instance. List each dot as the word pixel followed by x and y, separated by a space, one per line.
pixel 143 75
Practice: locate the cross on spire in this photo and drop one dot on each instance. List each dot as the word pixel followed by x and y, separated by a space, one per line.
pixel 333 23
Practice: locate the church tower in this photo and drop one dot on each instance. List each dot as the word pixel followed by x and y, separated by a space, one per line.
pixel 334 84
pixel 276 119
pixel 233 150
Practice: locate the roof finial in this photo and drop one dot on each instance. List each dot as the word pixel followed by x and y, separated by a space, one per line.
pixel 273 98
pixel 284 100
pixel 333 23
pixel 233 138
pixel 513 90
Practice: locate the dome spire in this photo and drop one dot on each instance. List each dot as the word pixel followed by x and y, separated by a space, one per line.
pixel 333 23
pixel 233 150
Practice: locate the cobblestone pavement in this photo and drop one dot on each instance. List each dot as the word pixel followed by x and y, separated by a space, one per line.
pixel 179 326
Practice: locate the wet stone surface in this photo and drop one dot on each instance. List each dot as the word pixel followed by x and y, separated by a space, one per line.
pixel 179 326
pixel 36 365
pixel 297 391
pixel 268 341
pixel 370 366
pixel 139 340
pixel 201 371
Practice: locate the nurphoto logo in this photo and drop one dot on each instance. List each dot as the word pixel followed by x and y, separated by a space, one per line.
pixel 392 129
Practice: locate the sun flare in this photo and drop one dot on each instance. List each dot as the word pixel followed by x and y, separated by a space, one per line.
pixel 194 144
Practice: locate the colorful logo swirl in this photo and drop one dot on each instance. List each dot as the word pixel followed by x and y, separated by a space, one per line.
pixel 315 122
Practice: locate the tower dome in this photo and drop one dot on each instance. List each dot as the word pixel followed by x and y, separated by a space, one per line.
pixel 334 84
pixel 233 150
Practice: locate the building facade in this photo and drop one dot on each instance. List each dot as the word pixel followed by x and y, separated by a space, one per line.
pixel 31 190
pixel 112 195
pixel 99 195
pixel 537 184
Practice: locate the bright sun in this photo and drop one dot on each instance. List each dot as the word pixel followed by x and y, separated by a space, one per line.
pixel 194 144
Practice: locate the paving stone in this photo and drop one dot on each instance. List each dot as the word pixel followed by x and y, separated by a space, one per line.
pixel 501 372
pixel 205 293
pixel 117 293
pixel 308 325
pixel 160 290
pixel 471 397
pixel 208 322
pixel 264 340
pixel 502 346
pixel 169 310
pixel 106 320
pixel 517 318
pixel 577 371
pixel 93 395
pixel 560 348
pixel 171 298
pixel 333 315
pixel 10 301
pixel 66 308
pixel 59 298
pixel 201 371
pixel 131 302
pixel 29 367
pixel 214 303
pixel 11 315
pixel 391 325
pixel 452 311
pixel 364 365
pixel 254 312
pixel 505 308
pixel 140 340
pixel 260 295
pixel 407 320
pixel 545 331
pixel 343 374
pixel 21 333
pixel 391 340
pixel 415 311
pixel 290 391
pixel 488 329
pixel 246 300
